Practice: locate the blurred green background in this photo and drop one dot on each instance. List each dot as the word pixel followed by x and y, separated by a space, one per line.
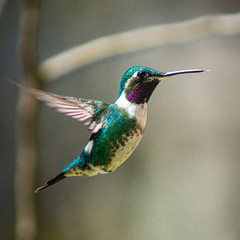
pixel 183 181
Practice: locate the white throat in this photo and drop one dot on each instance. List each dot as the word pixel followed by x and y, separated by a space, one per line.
pixel 138 111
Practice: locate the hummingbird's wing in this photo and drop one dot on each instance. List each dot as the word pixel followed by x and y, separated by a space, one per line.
pixel 90 112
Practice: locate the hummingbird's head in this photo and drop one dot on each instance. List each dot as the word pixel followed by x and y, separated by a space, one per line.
pixel 138 83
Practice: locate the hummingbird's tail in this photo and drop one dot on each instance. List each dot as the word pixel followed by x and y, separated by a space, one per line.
pixel 52 181
pixel 73 169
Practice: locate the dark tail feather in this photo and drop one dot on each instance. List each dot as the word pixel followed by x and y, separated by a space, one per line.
pixel 52 181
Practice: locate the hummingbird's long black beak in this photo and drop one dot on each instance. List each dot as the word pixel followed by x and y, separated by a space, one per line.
pixel 168 74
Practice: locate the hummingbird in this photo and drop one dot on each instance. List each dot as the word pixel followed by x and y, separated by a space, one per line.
pixel 116 129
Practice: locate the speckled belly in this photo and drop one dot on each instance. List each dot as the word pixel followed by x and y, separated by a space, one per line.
pixel 125 146
pixel 124 150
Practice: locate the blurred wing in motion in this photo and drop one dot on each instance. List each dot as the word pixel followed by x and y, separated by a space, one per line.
pixel 89 112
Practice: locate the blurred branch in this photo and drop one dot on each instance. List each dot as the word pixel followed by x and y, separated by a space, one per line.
pixel 142 38
pixel 26 125
pixel 2 5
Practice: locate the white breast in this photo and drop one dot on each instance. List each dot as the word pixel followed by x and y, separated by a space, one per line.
pixel 138 111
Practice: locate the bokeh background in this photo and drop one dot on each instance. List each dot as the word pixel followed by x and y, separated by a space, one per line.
pixel 183 181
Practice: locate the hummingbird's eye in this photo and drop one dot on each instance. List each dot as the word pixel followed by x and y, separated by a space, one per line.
pixel 142 74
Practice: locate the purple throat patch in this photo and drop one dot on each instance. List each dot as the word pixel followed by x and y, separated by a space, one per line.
pixel 142 92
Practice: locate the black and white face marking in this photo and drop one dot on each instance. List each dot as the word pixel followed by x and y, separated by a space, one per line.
pixel 141 74
pixel 138 77
pixel 140 86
